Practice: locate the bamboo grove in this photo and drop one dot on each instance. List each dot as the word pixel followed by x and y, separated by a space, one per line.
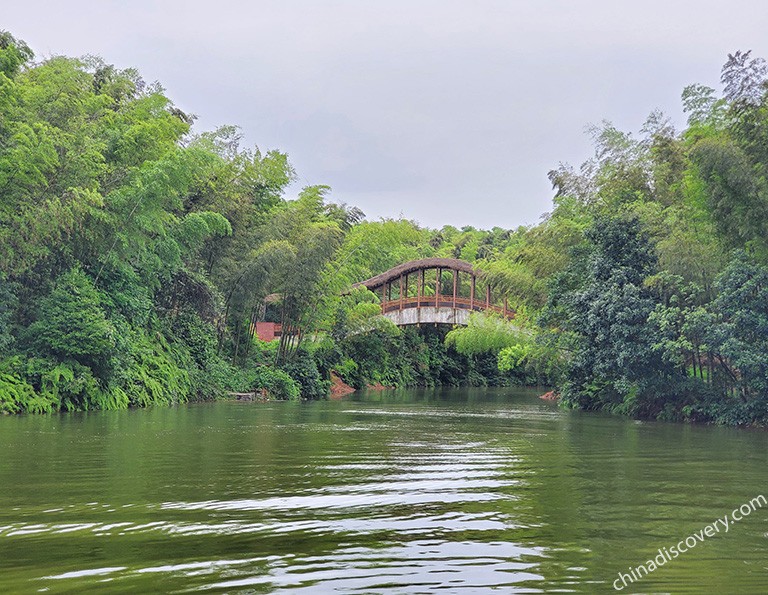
pixel 136 255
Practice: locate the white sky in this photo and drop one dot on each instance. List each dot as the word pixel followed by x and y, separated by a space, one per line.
pixel 441 111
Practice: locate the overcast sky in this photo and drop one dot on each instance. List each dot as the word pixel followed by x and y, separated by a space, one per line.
pixel 441 111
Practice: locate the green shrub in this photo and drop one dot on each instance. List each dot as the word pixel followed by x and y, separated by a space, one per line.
pixel 72 324
pixel 155 375
pixel 16 394
pixel 209 373
pixel 303 369
pixel 347 368
pixel 70 385
pixel 7 305
pixel 276 383
pixel 484 333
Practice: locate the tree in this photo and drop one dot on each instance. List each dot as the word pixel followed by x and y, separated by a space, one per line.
pixel 13 54
pixel 737 198
pixel 615 365
pixel 703 106
pixel 743 304
pixel 743 79
pixel 72 324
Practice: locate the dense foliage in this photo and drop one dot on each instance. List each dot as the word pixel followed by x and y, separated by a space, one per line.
pixel 660 311
pixel 136 257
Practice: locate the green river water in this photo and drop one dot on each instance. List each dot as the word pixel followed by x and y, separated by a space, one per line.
pixel 458 491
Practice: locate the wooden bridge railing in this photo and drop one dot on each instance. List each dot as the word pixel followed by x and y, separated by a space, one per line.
pixel 444 301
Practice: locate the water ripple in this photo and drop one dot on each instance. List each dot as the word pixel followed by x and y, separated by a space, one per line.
pixel 451 497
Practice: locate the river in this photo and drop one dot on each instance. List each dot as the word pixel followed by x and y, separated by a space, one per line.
pixel 448 491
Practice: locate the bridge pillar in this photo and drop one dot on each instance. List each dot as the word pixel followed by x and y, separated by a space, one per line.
pixel 455 285
pixel 419 287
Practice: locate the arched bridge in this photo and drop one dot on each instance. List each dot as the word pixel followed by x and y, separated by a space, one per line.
pixel 434 291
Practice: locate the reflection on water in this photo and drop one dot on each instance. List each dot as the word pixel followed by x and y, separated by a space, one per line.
pixel 410 492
